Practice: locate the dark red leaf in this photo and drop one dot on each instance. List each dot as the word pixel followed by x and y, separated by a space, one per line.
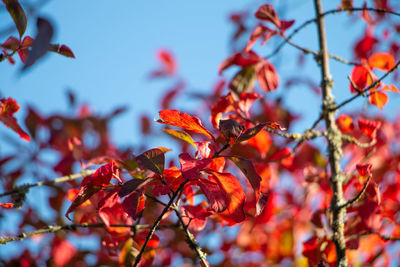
pixel 18 15
pixel 86 191
pixel 239 59
pixel 267 13
pixel 134 204
pixel 11 43
pixel 250 133
pixel 214 194
pixel 42 41
pixel 153 159
pixel 132 185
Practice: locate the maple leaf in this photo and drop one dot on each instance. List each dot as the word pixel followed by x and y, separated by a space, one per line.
pixel 175 118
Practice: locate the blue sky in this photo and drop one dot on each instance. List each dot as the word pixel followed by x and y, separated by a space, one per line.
pixel 115 46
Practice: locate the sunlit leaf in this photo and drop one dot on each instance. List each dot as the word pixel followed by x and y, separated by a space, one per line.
pixel 250 133
pixel 345 123
pixel 128 253
pixel 364 169
pixel 235 196
pixel 378 98
pixel 181 135
pixel 267 13
pixel 175 118
pixel 214 194
pixel 382 61
pixel 368 127
pixel 191 167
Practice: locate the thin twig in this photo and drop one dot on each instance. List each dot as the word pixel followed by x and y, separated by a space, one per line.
pixel 352 139
pixel 307 135
pixel 191 240
pixel 67 178
pixel 157 222
pixel 70 227
pixel 333 11
pixel 358 196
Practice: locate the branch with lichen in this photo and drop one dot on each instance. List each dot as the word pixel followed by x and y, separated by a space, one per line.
pixel 23 189
pixel 190 240
pixel 352 139
pixel 72 227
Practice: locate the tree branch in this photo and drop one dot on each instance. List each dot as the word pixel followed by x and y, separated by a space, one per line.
pixel 334 141
pixel 23 189
pixel 307 135
pixel 358 196
pixel 71 227
pixel 330 12
pixel 157 222
pixel 191 240
pixel 351 139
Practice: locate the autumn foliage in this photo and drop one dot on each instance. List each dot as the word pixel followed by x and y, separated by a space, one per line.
pixel 237 174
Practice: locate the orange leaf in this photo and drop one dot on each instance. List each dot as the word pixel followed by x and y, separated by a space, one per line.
pixel 7 205
pixel 345 123
pixel 378 99
pixel 183 120
pixel 391 88
pixel 382 61
pixel 234 193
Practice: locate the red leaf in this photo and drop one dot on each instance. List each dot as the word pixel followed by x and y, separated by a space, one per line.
pixel 286 24
pixel 239 59
pixel 259 32
pixel 11 43
pixel 284 155
pixel 8 106
pixel 62 251
pixel 142 235
pixel 41 43
pixel 378 98
pixel 247 168
pixel 275 126
pixel 368 127
pixel 196 215
pixel 62 50
pixel 382 61
pixel 27 42
pixel 171 94
pixel 134 204
pixel 250 133
pixel 7 109
pixel 267 13
pixel 360 77
pixel 234 193
pixel 191 167
pixel 168 65
pixel 267 76
pixel 183 120
pixel 364 169
pixel 103 175
pixel 345 123
pixel 86 191
pixel 18 15
pixel 214 194
pixel 365 45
